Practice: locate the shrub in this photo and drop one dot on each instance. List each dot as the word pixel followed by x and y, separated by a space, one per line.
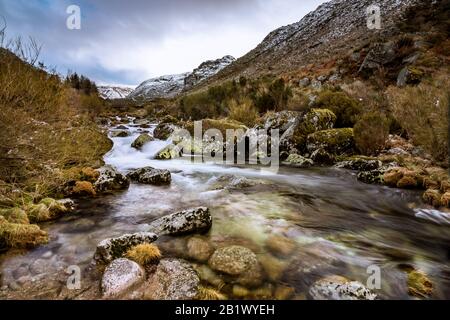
pixel 144 254
pixel 371 133
pixel 344 107
pixel 244 112
pixel 423 112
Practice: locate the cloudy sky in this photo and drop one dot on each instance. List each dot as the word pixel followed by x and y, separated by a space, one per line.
pixel 128 41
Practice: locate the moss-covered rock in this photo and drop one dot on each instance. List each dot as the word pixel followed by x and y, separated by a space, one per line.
pixel 164 130
pixel 14 235
pixel 317 120
pixel 322 157
pixel 141 141
pixel 15 215
pixel 371 177
pixel 120 134
pixel 360 164
pixel 445 200
pixel 335 141
pixel 169 152
pixel 298 161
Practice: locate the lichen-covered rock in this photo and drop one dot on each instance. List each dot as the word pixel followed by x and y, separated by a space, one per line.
pixel 340 288
pixel 317 120
pixel 321 156
pixel 298 161
pixel 173 280
pixel 120 276
pixel 111 179
pixel 371 177
pixel 281 121
pixel 114 248
pixel 149 175
pixel 141 141
pixel 334 141
pixel 169 152
pixel 239 262
pixel 360 164
pixel 164 130
pixel 187 221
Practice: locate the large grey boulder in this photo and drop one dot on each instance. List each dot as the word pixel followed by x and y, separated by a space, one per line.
pixel 111 179
pixel 120 276
pixel 173 280
pixel 149 175
pixel 141 141
pixel 113 248
pixel 187 221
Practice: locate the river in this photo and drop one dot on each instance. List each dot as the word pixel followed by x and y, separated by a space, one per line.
pixel 339 226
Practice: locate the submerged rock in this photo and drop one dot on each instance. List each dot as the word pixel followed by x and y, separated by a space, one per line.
pixel 149 175
pixel 187 221
pixel 113 248
pixel 239 262
pixel 141 141
pixel 199 249
pixel 173 280
pixel 111 179
pixel 340 288
pixel 228 181
pixel 120 276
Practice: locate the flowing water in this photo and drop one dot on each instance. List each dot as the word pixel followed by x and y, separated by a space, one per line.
pixel 339 227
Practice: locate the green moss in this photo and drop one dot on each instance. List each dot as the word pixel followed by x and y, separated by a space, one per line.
pixel 335 141
pixel 15 215
pixel 14 235
pixel 317 120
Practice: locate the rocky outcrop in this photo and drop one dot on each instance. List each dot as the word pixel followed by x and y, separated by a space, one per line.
pixel 187 221
pixel 206 70
pixel 239 262
pixel 340 288
pixel 151 175
pixel 114 248
pixel 173 280
pixel 120 276
pixel 111 179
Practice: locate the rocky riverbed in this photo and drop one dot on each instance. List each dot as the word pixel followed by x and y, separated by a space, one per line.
pixel 235 232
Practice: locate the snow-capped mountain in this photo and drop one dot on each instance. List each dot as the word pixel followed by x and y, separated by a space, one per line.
pixel 114 92
pixel 206 70
pixel 169 86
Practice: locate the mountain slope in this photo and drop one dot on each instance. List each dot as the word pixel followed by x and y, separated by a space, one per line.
pixel 169 86
pixel 333 29
pixel 114 92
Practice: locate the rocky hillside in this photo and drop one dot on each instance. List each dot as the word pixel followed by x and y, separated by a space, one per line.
pixel 331 31
pixel 114 92
pixel 170 86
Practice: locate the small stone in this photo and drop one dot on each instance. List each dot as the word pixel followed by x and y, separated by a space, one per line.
pixel 199 249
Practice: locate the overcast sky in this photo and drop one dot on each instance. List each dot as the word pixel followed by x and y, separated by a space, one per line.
pixel 129 41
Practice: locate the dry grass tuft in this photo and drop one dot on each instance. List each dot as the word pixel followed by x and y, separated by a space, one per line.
pixel 144 254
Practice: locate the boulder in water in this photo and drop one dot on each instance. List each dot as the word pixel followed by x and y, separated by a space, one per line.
pixel 120 134
pixel 120 276
pixel 141 141
pixel 111 179
pixel 340 288
pixel 187 221
pixel 173 280
pixel 114 248
pixel 298 161
pixel 149 175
